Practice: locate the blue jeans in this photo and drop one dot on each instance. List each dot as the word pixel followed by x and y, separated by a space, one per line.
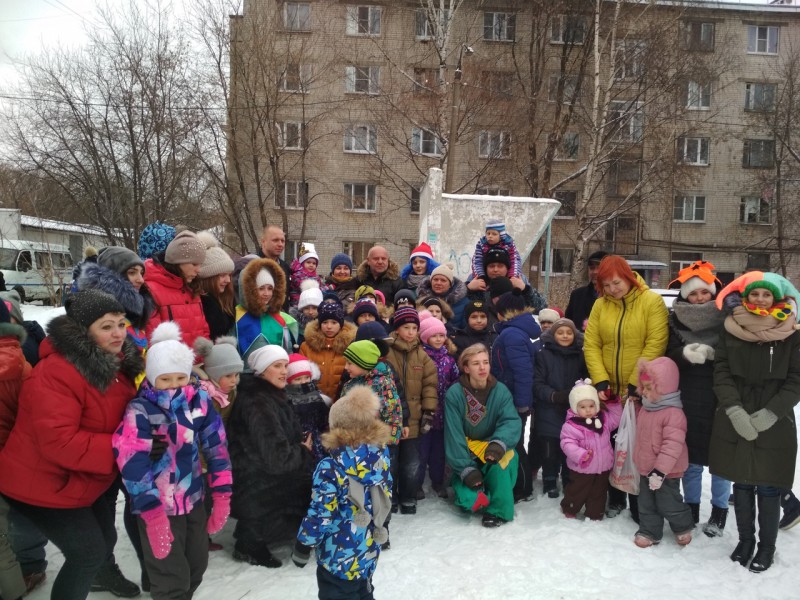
pixel 693 483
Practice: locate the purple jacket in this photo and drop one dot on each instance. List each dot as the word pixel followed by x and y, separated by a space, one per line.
pixel 447 374
pixel 576 439
pixel 661 441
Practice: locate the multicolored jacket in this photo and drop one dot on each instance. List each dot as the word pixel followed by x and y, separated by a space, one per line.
pixel 506 243
pixel 299 275
pixel 447 374
pixel 380 381
pixel 185 416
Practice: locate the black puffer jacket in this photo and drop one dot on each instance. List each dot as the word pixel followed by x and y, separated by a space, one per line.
pixel 464 338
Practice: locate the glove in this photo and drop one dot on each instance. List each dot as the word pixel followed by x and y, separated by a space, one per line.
pixel 587 457
pixel 741 423
pixel 426 423
pixel 219 512
pixel 524 411
pixel 698 353
pixel 632 393
pixel 159 533
pixel 655 479
pixel 494 452
pixel 474 479
pixel 160 445
pixel 763 419
pixel 300 554
pixel 560 398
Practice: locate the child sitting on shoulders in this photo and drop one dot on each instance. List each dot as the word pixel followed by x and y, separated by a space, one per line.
pixel 219 371
pixel 496 236
pixel 167 494
pixel 309 404
pixel 304 268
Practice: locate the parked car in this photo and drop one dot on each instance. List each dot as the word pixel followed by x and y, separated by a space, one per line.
pixel 42 270
pixel 668 296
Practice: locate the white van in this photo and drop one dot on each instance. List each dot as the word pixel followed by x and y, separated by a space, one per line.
pixel 43 270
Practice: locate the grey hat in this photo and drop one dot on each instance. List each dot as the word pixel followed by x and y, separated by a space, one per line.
pixel 12 297
pixel 118 259
pixel 186 248
pixel 220 358
pixel 86 306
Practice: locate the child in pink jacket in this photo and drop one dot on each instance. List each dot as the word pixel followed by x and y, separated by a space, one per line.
pixel 661 454
pixel 586 442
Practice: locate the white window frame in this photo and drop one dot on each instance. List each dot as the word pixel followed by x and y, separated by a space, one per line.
pixel 763 147
pixel 754 93
pixel 289 131
pixel 426 143
pixel 303 77
pixel 370 195
pixel 361 139
pixel 698 95
pixel 680 260
pixel 362 77
pixel 295 189
pixel 693 208
pixel 363 20
pixel 629 59
pixel 570 86
pixel 424 29
pixel 692 149
pixel 755 206
pixel 494 144
pixel 570 205
pixel 500 26
pixel 562 25
pixel 293 17
pixel 704 40
pixel 569 148
pixel 763 39
pixel 565 261
pixel 628 118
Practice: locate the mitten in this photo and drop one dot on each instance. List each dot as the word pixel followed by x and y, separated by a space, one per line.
pixel 763 419
pixel 160 446
pixel 741 423
pixel 426 423
pixel 655 479
pixel 159 533
pixel 694 354
pixel 219 512
pixel 560 398
pixel 300 554
pixel 494 452
pixel 473 479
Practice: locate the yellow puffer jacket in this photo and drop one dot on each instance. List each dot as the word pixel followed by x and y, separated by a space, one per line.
pixel 619 332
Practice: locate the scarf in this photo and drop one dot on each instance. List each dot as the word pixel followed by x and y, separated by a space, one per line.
pixel 753 328
pixel 672 400
pixel 697 323
pixel 594 424
pixel 216 394
pixel 779 310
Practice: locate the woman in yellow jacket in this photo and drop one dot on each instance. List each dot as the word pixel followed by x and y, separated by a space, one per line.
pixel 627 322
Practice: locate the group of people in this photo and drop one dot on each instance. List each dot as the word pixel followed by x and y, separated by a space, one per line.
pixel 311 408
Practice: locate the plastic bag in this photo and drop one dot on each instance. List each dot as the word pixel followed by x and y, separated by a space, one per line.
pixel 624 475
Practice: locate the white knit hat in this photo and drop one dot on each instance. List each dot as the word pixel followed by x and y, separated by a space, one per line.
pixel 264 277
pixel 695 283
pixel 217 260
pixel 167 354
pixel 262 358
pixel 311 295
pixel 307 251
pixel 549 315
pixel 583 390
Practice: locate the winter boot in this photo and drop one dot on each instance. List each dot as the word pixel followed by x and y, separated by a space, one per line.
pixel 791 511
pixel 769 512
pixel 716 522
pixel 145 577
pixel 110 579
pixel 745 510
pixel 261 557
pixel 695 508
pixel 550 487
pixel 634 504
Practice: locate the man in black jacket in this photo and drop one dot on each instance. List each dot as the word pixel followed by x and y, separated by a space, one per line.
pixel 582 299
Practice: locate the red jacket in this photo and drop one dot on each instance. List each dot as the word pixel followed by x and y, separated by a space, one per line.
pixel 59 454
pixel 13 370
pixel 174 302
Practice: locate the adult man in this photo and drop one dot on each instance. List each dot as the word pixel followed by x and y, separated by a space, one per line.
pixel 380 273
pixel 497 263
pixel 582 299
pixel 273 241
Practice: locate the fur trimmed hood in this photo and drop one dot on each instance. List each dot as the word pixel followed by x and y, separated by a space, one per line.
pixel 13 330
pixel 377 433
pixel 98 367
pixel 138 305
pixel 456 293
pixel 392 272
pixel 248 290
pixel 316 339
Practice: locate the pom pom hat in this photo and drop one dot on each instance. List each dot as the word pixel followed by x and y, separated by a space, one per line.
pixel 167 353
pixel 307 250
pixel 186 248
pixel 299 365
pixel 422 251
pixel 405 315
pixel 583 390
pixel 217 261
pixel 311 295
pixel 365 306
pixel 220 358
pixel 779 286
pixel 261 359
pixel 430 327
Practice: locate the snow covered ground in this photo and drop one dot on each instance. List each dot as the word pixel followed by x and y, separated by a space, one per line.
pixel 442 554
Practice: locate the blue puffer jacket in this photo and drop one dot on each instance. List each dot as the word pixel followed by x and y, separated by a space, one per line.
pixel 513 357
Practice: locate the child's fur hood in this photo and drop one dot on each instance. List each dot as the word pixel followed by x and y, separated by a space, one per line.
pixel 248 290
pixel 377 433
pixel 363 274
pixel 316 339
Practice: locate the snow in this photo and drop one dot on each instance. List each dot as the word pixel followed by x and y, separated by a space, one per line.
pixel 440 553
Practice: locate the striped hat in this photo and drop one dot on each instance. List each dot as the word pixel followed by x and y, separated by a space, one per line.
pixel 364 354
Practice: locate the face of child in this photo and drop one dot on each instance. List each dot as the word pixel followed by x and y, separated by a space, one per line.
pixel 435 311
pixel 341 272
pixel 699 296
pixel 492 236
pixel 170 381
pixel 437 340
pixel 310 312
pixel 265 294
pixel 365 318
pixel 648 391
pixel 478 367
pixel 408 332
pixel 330 328
pixel 354 370
pixel 190 271
pixel 276 373
pixel 301 379
pixel 419 265
pixel 223 281
pixel 545 325
pixel 761 298
pixel 587 409
pixel 564 336
pixel 136 276
pixel 310 265
pixel 478 321
pixel 226 383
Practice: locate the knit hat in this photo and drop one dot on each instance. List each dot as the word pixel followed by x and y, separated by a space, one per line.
pixel 154 239
pixel 217 260
pixel 379 297
pixel 476 306
pixel 364 353
pixel 662 372
pixel 118 259
pixel 331 311
pixel 779 286
pixel 405 315
pixel 548 315
pixel 220 358
pixel 433 301
pixel 444 271
pixel 583 390
pixel 404 298
pixel 89 251
pixel 167 353
pixel 311 294
pixel 564 323
pixel 264 277
pixel 371 330
pixel 364 290
pixel 496 224
pixel 341 259
pixel 354 410
pixel 299 365
pixel 11 299
pixel 595 257
pixel 186 248
pixel 510 301
pixel 262 358
pixel 423 251
pixel 430 327
pixel 697 276
pixel 499 286
pixel 86 306
pixel 365 306
pixel 307 251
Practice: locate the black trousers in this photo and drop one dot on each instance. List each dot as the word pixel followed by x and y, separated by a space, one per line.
pixel 333 588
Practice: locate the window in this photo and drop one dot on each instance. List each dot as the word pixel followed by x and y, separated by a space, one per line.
pixel 425 142
pixel 297 16
pixel 621 235
pixel 291 135
pixel 494 144
pixel 295 78
pixel 291 194
pixel 359 197
pixel 499 26
pixel 693 150
pixel 754 210
pixel 425 80
pixel 681 260
pixel 363 20
pixel 758 261
pixel 499 82
pixel 698 36
pixel 8 259
pixel 569 92
pixel 758 154
pixel 762 39
pixel 361 139
pixel 569 202
pixel 560 261
pixel 291 250
pixel 629 59
pixel 493 191
pixel 759 97
pixel 623 177
pixel 689 208
pixel 425 28
pixel 24 261
pixel 698 95
pixel 626 120
pixel 569 147
pixel 414 197
pixel 357 251
pixel 362 80
pixel 568 29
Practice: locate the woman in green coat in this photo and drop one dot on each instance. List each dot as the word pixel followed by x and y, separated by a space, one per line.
pixel 480 432
pixel 757 384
